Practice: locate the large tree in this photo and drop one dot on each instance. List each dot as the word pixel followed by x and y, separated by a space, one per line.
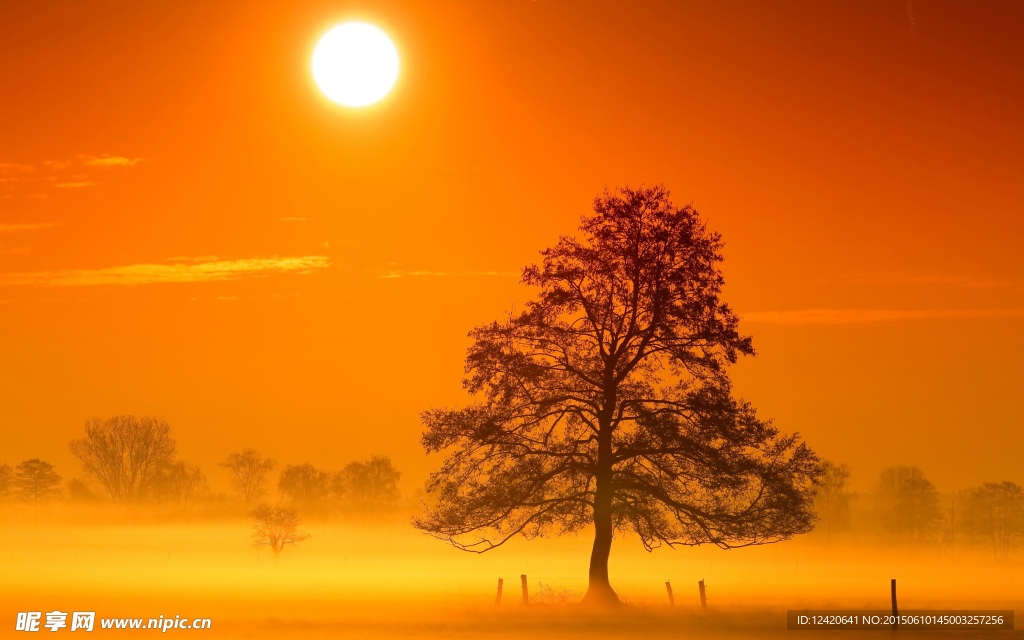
pixel 606 402
pixel 126 454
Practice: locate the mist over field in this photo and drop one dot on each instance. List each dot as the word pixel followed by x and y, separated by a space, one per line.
pixel 373 577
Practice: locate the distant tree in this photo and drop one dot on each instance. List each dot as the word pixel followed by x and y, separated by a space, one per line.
pixel 182 483
pixel 78 491
pixel 249 470
pixel 909 503
pixel 35 481
pixel 125 454
pixel 606 402
pixel 832 500
pixel 370 485
pixel 276 527
pixel 995 511
pixel 6 480
pixel 304 485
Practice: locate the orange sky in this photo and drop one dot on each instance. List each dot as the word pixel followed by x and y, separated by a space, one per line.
pixel 188 228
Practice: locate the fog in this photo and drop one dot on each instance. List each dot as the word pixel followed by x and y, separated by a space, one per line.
pixel 379 577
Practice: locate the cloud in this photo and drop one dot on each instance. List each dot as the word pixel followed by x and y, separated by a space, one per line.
pixel 15 167
pixel 110 161
pixel 76 185
pixel 182 271
pixel 402 274
pixel 864 316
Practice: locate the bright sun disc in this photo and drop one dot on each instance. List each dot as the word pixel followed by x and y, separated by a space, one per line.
pixel 355 64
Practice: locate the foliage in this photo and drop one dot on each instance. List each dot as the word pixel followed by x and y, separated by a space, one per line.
pixel 276 527
pixel 125 454
pixel 35 481
pixel 606 401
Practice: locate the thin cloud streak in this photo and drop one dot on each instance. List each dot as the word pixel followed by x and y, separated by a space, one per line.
pixel 6 228
pixel 110 161
pixel 864 316
pixel 138 274
pixel 403 274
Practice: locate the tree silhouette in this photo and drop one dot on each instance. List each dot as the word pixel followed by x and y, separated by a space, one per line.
pixel 304 485
pixel 35 481
pixel 181 482
pixel 249 470
pixel 606 402
pixel 832 499
pixel 909 503
pixel 276 527
pixel 995 511
pixel 125 454
pixel 369 486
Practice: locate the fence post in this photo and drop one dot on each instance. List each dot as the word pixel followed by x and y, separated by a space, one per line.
pixel 497 598
pixel 671 598
pixel 895 611
pixel 703 594
pixel 526 592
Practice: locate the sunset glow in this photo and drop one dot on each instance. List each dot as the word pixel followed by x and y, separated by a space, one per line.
pixel 509 319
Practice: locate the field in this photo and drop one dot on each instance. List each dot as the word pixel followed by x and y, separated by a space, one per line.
pixel 372 579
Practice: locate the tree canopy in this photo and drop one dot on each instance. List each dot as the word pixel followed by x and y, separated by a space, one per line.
pixel 606 401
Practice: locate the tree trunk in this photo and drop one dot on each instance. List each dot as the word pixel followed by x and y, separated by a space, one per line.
pixel 600 591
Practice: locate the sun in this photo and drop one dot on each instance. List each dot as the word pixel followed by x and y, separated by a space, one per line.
pixel 355 64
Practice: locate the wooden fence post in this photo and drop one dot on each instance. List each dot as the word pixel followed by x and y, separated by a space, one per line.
pixel 703 595
pixel 526 592
pixel 671 598
pixel 497 598
pixel 895 611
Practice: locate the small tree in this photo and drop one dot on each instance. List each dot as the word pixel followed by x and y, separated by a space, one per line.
pixel 125 454
pixel 249 470
pixel 304 485
pixel 995 511
pixel 832 500
pixel 276 527
pixel 370 485
pixel 607 402
pixel 35 481
pixel 909 503
pixel 79 491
